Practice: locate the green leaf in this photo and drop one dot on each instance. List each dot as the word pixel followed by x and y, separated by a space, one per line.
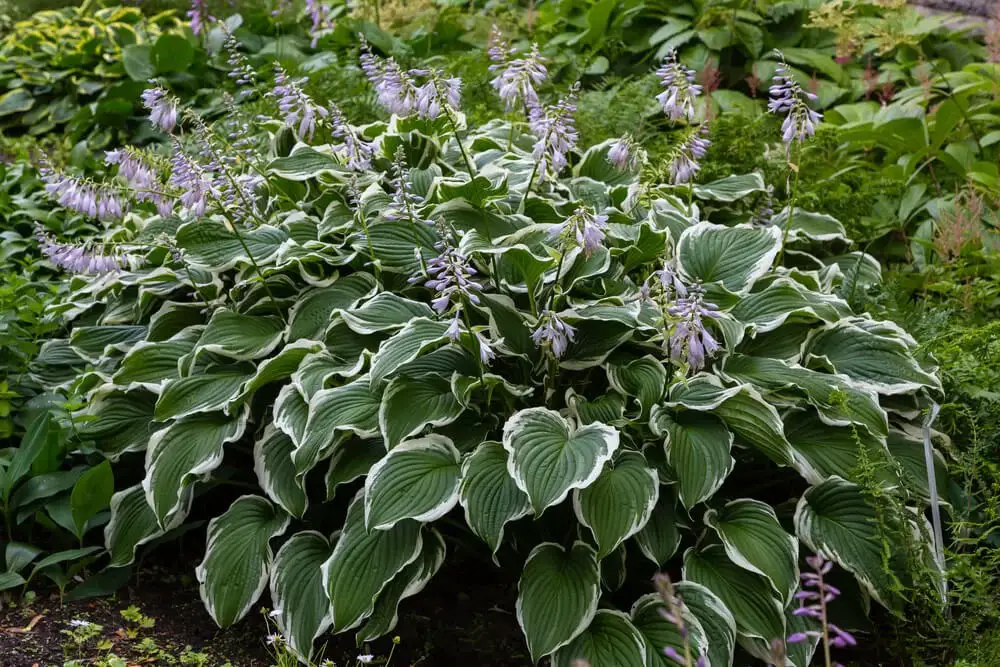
pixel 15 101
pixel 489 495
pixel 755 541
pixel 730 188
pixel 660 537
pixel 132 524
pixel 810 226
pixel 91 494
pixel 185 452
pixel 18 555
pixel 278 367
pixel 785 300
pixel 417 480
pixel 735 256
pixel 238 556
pixel 549 457
pixel 715 618
pixel 619 502
pixel 312 314
pixel 136 59
pixel 557 596
pixel 304 164
pixel 9 580
pixel 610 639
pixel 408 405
pixel 363 563
pixel 199 393
pixel 171 53
pixel 644 379
pixel 297 591
pixel 352 458
pixel 823 450
pixel 275 470
pixel 758 612
pixel 350 408
pixel 208 244
pixel 409 343
pixel 385 312
pixel 241 337
pixel 698 449
pixel 149 365
pixel 93 343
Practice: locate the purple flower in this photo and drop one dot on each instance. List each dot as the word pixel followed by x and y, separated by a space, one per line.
pixel 199 16
pixel 553 333
pixel 192 181
pixel 78 259
pixel 684 159
pixel 355 150
pixel 554 128
pixel 133 167
pixel 395 89
pixel 691 342
pixel 295 104
pixel 673 611
pixel 405 202
pixel 497 48
pixel 84 197
pixel 451 276
pixel 239 67
pixel 436 93
pixel 813 598
pixel 584 229
pixel 162 108
pixel 486 352
pixel 670 281
pixel 788 98
pixel 319 13
pixel 624 154
pixel 518 77
pixel 679 97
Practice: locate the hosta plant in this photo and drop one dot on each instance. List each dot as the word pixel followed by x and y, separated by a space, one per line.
pixel 394 330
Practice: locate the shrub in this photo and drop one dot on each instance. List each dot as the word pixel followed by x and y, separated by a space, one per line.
pixel 405 318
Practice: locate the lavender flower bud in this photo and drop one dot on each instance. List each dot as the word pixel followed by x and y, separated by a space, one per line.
pixel 239 67
pixel 684 159
pixel 405 202
pixel 552 332
pixel 193 182
pixel 162 108
pixel 678 98
pixel 625 155
pixel 295 104
pixel 497 48
pixel 584 229
pixel 691 342
pixel 198 14
pixel 555 130
pixel 451 276
pixel 813 604
pixel 518 78
pixel 319 14
pixel 78 259
pixel 436 93
pixel 788 98
pixel 83 196
pixel 395 89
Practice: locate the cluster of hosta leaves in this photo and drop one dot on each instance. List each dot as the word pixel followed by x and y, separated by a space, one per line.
pixel 310 340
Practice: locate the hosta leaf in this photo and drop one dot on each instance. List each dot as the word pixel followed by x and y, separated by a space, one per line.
pixel 408 405
pixel 838 400
pixel 312 313
pixel 291 413
pixel 643 379
pixel 132 524
pixel 730 188
pixel 180 455
pixel 658 633
pixel 549 457
pixel 698 448
pixel 199 393
pixel 122 423
pixel 410 581
pixel 608 408
pixel 910 454
pixel 276 474
pixel 660 537
pixel 734 256
pixel 237 559
pixel 241 337
pixel 363 563
pixel 394 246
pixel 297 590
pixel 610 639
pixel 352 407
pixel 92 343
pixel 385 312
pixel 755 541
pixel 715 618
pixel 822 450
pixel 619 502
pixel 810 226
pixel 489 494
pixel 406 345
pixel 304 163
pixel 758 612
pixel 785 300
pixel 557 596
pixel 211 245
pixel 874 361
pixel 416 480
pixel 278 367
pixel 149 365
pixel 352 458
pixel 834 518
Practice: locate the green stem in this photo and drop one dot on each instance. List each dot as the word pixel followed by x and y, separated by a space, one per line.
pixel 363 219
pixel 378 14
pixel 194 284
pixel 555 283
pixel 951 95
pixel 468 327
pixel 791 202
pixel 454 130
pixel 531 179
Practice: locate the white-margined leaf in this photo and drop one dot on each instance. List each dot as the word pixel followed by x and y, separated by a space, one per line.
pixel 730 188
pixel 658 633
pixel 275 470
pixel 210 245
pixel 619 502
pixel 549 456
pixel 610 639
pixel 237 559
pixel 122 421
pixel 291 413
pixel 278 367
pixel 352 458
pixel 786 301
pixel 697 447
pixel 132 524
pixel 822 450
pixel 735 256
pixel 607 408
pixel 93 343
pixel 406 345
pixel 386 311
pixel 758 611
pixel 149 365
pixel 417 480
pixel 715 618
pixel 644 379
pixel 209 392
pixel 312 314
pixel 394 247
pixel 557 596
pixel 408 405
pixel 659 538
pixel 755 541
pixel 810 226
pixel 489 494
pixel 410 581
pixel 297 592
pixel 364 562
pixel 241 337
pixel 185 452
pixel 349 408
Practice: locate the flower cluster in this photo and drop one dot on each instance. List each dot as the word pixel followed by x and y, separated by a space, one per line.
pixel 691 342
pixel 813 599
pixel 555 130
pixel 438 92
pixel 553 333
pixel 191 180
pixel 678 98
pixel 673 612
pixel 788 98
pixel 199 16
pixel 141 176
pixel 239 67
pixel 319 14
pixel 84 197
pixel 78 259
pixel 404 200
pixel 355 150
pixel 684 158
pixel 584 229
pixel 295 104
pixel 451 277
pixel 162 108
pixel 394 88
pixel 517 78
pixel 625 154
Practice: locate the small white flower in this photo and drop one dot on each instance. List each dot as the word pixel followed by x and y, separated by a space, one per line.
pixel 366 658
pixel 273 639
pixel 275 613
pixel 77 623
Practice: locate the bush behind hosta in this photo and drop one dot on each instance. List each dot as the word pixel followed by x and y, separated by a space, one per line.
pixel 300 336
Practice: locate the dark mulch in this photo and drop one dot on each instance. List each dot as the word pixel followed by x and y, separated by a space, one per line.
pixel 452 622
